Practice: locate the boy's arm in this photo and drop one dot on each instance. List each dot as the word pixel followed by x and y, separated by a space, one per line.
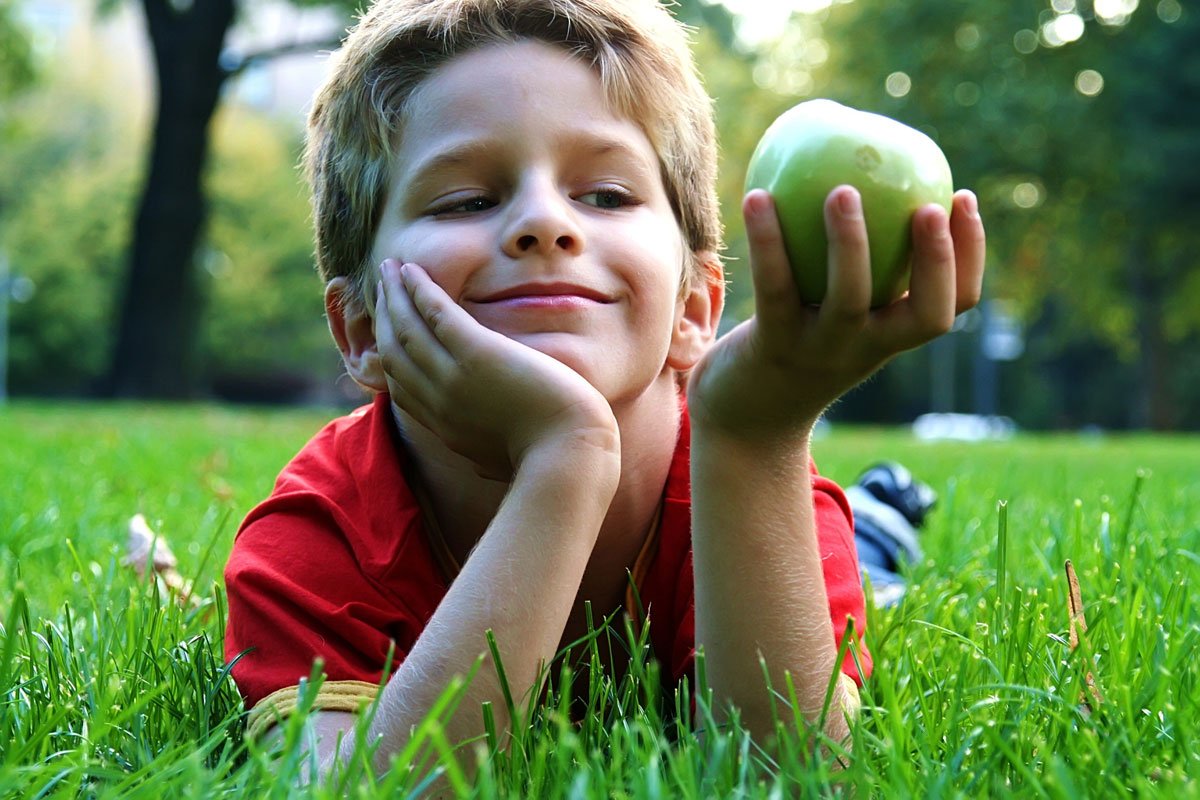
pixel 754 400
pixel 519 582
pixel 535 423
pixel 760 586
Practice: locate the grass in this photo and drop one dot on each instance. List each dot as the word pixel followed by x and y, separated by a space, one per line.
pixel 109 690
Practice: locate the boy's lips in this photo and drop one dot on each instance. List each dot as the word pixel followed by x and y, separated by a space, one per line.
pixel 544 294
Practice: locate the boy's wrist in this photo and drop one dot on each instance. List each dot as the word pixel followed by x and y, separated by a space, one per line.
pixel 589 459
pixel 753 438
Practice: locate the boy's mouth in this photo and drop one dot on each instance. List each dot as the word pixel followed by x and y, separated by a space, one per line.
pixel 543 294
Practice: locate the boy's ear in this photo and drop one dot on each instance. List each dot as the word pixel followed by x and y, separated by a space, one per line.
pixel 354 331
pixel 699 315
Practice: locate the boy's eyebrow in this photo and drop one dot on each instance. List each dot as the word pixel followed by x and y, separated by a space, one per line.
pixel 603 145
pixel 471 150
pixel 454 156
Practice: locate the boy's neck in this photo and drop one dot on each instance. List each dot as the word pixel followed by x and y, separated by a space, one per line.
pixel 465 503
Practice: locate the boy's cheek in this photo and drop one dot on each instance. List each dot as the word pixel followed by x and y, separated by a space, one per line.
pixel 447 259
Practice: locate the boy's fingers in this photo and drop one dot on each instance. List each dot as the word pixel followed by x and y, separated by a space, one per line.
pixel 848 298
pixel 404 394
pixel 970 249
pixel 403 374
pixel 932 293
pixel 452 327
pixel 406 328
pixel 775 294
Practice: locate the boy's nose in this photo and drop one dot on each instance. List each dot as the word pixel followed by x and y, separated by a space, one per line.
pixel 543 224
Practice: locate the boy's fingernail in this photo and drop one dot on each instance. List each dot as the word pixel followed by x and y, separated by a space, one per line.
pixel 935 223
pixel 849 203
pixel 758 202
pixel 971 204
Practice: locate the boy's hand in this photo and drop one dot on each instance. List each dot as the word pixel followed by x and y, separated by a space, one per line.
pixel 487 397
pixel 771 377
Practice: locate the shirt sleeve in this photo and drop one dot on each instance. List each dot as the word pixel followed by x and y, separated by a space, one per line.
pixel 297 593
pixel 843 582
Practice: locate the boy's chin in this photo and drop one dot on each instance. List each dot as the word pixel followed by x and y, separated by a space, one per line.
pixel 562 348
pixel 602 366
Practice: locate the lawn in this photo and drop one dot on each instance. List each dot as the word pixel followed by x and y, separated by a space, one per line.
pixel 109 690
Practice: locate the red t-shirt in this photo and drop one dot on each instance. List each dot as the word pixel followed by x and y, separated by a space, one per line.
pixel 337 563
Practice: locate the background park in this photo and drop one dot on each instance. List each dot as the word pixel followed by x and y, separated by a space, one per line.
pixel 164 353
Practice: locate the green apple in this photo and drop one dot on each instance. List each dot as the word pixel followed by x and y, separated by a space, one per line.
pixel 818 145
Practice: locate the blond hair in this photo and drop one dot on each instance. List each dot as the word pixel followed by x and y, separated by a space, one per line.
pixel 637 49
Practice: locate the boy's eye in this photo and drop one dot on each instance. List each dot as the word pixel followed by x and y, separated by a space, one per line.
pixel 607 198
pixel 472 205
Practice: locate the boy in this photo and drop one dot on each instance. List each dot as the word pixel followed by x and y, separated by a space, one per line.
pixel 517 226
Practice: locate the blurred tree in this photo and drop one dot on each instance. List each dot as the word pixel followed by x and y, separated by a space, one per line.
pixel 73 168
pixel 744 109
pixel 17 73
pixel 1076 124
pixel 1143 191
pixel 714 19
pixel 16 58
pixel 155 353
pixel 264 337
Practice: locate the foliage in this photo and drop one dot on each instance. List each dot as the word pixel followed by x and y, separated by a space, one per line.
pixel 69 183
pixel 76 174
pixel 1088 199
pixel 743 112
pixel 109 689
pixel 162 301
pixel 1076 129
pixel 266 320
pixel 16 56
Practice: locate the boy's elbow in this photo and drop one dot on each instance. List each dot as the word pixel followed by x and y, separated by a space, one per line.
pixel 326 739
pixel 844 711
pixel 851 701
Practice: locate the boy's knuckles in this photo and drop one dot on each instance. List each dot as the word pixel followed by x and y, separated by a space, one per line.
pixel 388 361
pixel 476 360
pixel 935 322
pixel 404 338
pixel 969 297
pixel 436 319
pixel 853 314
pixel 848 318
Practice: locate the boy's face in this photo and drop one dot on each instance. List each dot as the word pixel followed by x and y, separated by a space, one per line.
pixel 541 213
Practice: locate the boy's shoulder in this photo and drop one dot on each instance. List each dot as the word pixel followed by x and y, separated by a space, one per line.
pixel 346 489
pixel 348 450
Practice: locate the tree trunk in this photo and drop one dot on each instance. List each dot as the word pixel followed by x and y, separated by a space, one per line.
pixel 156 351
pixel 1154 404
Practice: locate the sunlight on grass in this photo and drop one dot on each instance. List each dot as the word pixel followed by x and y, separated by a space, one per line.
pixel 110 690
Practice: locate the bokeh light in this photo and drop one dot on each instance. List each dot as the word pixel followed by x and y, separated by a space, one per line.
pixel 1063 29
pixel 967 93
pixel 1089 82
pixel 1169 10
pixel 1027 195
pixel 1114 12
pixel 967 37
pixel 898 84
pixel 1025 41
pixel 816 52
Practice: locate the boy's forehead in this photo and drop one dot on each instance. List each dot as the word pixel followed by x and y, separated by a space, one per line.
pixel 483 97
pixel 524 77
